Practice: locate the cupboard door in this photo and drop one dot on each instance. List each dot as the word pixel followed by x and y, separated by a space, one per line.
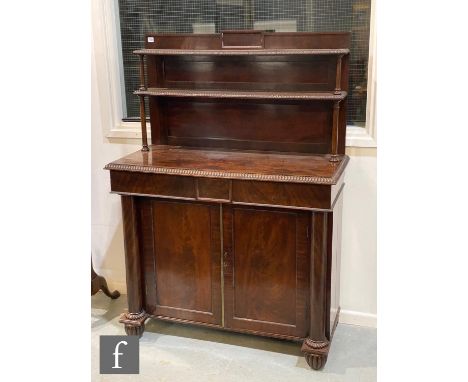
pixel 266 271
pixel 182 261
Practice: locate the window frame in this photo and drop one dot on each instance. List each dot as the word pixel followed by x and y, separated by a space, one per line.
pixel 107 56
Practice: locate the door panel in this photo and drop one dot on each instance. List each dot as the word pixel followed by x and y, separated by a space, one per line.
pixel 185 260
pixel 266 273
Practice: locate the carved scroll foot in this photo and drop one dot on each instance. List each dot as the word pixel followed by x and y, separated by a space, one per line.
pixel 134 323
pixel 100 283
pixel 103 286
pixel 315 353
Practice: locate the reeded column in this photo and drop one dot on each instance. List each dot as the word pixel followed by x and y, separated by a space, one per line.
pixel 316 346
pixel 334 143
pixel 144 134
pixel 338 75
pixel 134 319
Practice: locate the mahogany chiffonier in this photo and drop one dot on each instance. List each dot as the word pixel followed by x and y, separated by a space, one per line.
pixel 232 215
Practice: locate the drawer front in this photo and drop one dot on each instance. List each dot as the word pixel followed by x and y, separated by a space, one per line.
pixel 281 194
pixel 274 194
pixel 214 189
pixel 153 184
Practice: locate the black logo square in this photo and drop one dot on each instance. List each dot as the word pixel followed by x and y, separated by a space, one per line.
pixel 119 355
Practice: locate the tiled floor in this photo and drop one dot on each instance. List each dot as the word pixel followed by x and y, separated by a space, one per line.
pixel 173 352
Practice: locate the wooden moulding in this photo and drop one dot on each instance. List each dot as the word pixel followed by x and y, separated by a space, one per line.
pixel 233 164
pixel 240 52
pixel 243 192
pixel 286 95
pixel 232 175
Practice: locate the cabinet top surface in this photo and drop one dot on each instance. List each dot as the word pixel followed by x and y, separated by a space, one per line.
pixel 245 165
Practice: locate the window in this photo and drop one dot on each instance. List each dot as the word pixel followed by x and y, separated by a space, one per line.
pixel 138 17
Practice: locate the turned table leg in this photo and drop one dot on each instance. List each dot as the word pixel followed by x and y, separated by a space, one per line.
pixel 99 283
pixel 134 319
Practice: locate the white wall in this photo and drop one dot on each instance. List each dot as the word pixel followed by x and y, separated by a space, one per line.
pixel 359 261
pixel 358 270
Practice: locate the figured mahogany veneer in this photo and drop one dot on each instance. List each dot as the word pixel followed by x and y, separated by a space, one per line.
pixel 232 214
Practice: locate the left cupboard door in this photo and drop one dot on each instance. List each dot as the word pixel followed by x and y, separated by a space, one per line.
pixel 181 259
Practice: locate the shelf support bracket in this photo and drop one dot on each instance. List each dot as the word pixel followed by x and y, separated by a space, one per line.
pixel 334 143
pixel 142 72
pixel 144 135
pixel 338 75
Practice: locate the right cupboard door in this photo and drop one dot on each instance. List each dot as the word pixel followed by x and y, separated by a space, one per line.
pixel 266 270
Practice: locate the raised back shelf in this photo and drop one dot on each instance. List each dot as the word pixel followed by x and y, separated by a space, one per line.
pixel 248 90
pixel 248 40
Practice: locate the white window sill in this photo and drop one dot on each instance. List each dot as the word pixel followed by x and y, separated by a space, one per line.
pixel 359 137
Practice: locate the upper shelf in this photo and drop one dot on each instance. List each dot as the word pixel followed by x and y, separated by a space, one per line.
pixel 242 94
pixel 240 52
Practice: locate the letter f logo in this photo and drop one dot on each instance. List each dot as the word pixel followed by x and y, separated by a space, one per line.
pixel 116 355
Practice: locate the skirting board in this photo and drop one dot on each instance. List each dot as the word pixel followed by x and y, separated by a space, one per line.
pixel 351 317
